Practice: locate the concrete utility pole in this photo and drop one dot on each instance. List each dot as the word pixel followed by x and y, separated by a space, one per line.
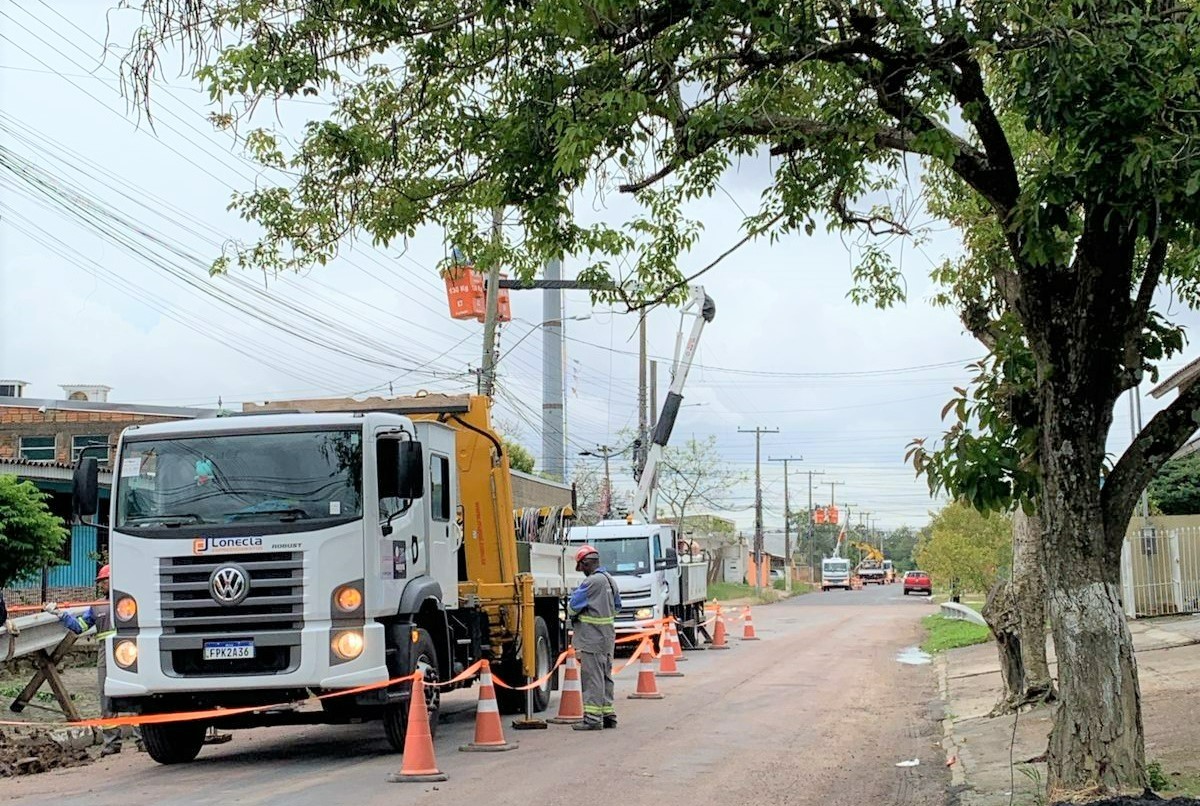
pixel 639 459
pixel 554 458
pixel 653 394
pixel 758 431
pixel 605 453
pixel 487 371
pixel 787 523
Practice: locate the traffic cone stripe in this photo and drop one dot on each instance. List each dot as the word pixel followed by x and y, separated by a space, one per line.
pixel 647 689
pixel 748 627
pixel 486 705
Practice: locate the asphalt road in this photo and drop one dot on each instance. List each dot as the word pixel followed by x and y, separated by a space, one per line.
pixel 818 711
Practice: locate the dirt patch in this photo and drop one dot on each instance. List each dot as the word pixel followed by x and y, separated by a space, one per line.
pixel 28 754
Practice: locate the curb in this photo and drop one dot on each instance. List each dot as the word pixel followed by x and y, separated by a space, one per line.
pixel 950 743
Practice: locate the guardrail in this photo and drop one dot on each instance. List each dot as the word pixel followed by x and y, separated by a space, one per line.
pixel 35 632
pixel 962 612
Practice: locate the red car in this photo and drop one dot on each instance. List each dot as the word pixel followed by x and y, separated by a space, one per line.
pixel 918 582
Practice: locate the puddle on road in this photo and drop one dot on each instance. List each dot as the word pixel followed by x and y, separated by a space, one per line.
pixel 913 656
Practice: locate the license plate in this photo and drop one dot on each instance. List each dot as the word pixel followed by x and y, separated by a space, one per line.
pixel 228 650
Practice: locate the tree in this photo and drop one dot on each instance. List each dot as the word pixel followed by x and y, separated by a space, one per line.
pixel 30 536
pixel 1176 488
pixel 588 495
pixel 899 546
pixel 964 548
pixel 519 457
pixel 1083 163
pixel 694 475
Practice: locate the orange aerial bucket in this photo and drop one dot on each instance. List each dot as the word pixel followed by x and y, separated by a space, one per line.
pixel 464 290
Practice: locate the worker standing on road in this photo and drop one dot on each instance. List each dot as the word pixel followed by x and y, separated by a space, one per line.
pixel 593 608
pixel 99 617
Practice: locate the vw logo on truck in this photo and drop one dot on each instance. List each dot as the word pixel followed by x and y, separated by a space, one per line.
pixel 229 585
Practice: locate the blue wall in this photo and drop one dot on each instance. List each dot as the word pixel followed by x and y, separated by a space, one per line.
pixel 81 573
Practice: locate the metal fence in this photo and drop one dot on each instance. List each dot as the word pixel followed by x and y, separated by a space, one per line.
pixel 1160 571
pixel 79 571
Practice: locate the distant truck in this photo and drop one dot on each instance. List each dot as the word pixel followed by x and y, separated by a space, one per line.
pixel 835 573
pixel 889 572
pixel 872 572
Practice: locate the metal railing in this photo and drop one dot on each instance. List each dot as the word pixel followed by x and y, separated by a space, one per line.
pixel 962 612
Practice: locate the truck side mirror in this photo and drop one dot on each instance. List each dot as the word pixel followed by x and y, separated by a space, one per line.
pixel 670 561
pixel 85 487
pixel 400 469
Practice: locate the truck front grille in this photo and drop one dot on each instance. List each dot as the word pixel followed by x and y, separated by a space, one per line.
pixel 275 601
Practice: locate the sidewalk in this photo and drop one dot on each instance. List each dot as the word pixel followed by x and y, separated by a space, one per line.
pixel 1168 657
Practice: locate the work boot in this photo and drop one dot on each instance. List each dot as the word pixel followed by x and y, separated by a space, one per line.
pixel 610 721
pixel 585 725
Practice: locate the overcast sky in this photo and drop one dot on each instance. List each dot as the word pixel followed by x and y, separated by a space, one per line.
pixel 848 387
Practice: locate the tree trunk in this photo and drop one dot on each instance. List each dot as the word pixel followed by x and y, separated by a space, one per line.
pixel 1029 599
pixel 1097 741
pixel 1000 613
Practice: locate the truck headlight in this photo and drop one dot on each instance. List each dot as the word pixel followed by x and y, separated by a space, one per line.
pixel 347 644
pixel 644 612
pixel 125 653
pixel 126 608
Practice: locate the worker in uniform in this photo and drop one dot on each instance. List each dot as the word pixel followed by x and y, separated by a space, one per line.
pixel 593 608
pixel 99 617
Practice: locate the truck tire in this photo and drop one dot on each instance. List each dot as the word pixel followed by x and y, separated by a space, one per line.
pixel 395 717
pixel 174 742
pixel 513 702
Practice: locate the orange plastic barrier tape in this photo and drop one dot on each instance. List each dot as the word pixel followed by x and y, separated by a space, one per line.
pixel 61 606
pixel 536 683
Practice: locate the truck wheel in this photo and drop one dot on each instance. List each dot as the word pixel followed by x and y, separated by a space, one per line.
pixel 395 717
pixel 513 702
pixel 174 742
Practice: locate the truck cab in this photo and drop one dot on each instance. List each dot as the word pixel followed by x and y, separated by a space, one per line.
pixel 835 573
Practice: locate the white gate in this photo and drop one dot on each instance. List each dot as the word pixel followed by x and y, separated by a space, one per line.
pixel 1160 572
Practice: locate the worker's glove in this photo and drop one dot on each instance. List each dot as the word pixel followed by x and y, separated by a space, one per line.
pixel 51 607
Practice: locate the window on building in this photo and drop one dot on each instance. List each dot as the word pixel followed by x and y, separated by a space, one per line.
pixel 38 449
pixel 94 441
pixel 10 390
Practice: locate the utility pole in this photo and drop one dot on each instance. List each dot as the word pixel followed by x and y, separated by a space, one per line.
pixel 833 485
pixel 553 404
pixel 487 371
pixel 605 453
pixel 639 459
pixel 758 431
pixel 653 394
pixel 812 553
pixel 787 523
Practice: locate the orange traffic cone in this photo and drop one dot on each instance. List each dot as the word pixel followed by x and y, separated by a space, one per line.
pixel 570 701
pixel 419 763
pixel 489 736
pixel 748 627
pixel 679 656
pixel 666 657
pixel 647 689
pixel 718 641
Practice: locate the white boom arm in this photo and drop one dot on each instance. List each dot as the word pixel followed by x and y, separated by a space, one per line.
pixel 645 502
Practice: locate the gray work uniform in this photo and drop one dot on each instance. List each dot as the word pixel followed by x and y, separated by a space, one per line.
pixel 100 617
pixel 594 641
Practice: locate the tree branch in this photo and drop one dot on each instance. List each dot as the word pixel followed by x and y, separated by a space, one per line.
pixel 1155 262
pixel 1158 441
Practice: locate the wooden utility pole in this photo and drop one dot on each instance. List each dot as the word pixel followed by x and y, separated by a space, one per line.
pixel 808 532
pixel 787 523
pixel 758 431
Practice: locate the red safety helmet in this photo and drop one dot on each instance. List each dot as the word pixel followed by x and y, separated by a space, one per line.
pixel 584 551
pixel 103 574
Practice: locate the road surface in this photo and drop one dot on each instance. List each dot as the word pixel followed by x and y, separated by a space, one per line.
pixel 817 712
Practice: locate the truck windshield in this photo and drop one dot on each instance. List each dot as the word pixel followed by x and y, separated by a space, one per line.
pixel 628 555
pixel 231 480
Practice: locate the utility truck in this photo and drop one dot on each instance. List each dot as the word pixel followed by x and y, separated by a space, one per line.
pixel 641 553
pixel 835 569
pixel 871 567
pixel 259 560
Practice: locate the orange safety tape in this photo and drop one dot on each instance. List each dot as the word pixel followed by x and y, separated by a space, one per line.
pixel 536 683
pixel 469 672
pixel 636 656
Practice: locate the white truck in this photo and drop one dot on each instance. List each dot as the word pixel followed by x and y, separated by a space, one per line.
pixel 835 570
pixel 641 553
pixel 258 560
